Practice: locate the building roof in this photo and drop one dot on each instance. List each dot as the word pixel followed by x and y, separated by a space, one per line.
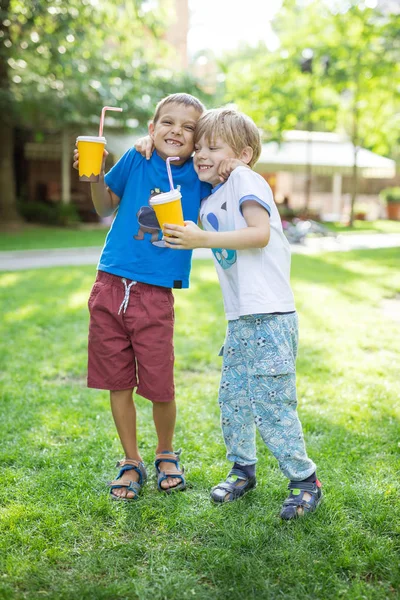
pixel 328 153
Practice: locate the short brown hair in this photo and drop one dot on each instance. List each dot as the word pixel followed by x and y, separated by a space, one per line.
pixel 235 128
pixel 180 98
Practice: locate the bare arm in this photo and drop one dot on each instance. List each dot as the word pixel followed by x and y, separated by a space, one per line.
pixel 104 200
pixel 255 235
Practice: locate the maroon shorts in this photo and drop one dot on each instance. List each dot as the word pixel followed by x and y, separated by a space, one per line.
pixel 131 349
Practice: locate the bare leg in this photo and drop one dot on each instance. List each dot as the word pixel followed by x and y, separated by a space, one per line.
pixel 164 415
pixel 124 412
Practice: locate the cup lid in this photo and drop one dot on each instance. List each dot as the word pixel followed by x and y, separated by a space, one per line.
pixel 91 138
pixel 165 197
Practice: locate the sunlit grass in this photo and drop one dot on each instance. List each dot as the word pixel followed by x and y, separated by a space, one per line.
pixel 61 537
pixel 378 226
pixel 33 237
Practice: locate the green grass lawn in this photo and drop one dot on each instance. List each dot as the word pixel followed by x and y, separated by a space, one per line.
pixel 33 237
pixel 62 538
pixel 379 226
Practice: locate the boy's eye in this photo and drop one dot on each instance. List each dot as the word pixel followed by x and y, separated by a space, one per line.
pixel 189 127
pixel 166 122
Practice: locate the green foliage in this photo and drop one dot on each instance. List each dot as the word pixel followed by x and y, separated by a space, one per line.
pixel 65 61
pixel 354 82
pixel 391 195
pixel 49 214
pixel 62 538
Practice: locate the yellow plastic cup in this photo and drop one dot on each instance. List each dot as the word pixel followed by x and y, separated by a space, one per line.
pixel 90 148
pixel 168 208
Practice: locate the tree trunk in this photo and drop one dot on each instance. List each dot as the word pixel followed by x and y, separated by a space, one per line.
pixel 8 208
pixel 8 204
pixel 354 186
pixel 354 180
pixel 308 173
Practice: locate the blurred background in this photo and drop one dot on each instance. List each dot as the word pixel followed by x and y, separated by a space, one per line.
pixel 321 79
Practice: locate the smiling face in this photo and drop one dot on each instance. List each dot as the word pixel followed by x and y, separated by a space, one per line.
pixel 173 131
pixel 208 155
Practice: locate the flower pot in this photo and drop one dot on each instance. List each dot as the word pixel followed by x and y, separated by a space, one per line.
pixel 393 211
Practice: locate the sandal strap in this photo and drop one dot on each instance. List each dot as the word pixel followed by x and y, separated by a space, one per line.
pixel 129 464
pixel 241 474
pixel 127 484
pixel 128 461
pixel 305 486
pixel 172 458
pixel 298 502
pixel 168 457
pixel 226 487
pixel 230 486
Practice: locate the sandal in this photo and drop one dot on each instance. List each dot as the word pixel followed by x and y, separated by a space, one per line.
pixel 135 487
pixel 236 485
pixel 169 457
pixel 296 505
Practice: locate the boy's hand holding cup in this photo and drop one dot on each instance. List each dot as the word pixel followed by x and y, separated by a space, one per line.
pixel 90 156
pixel 168 205
pixel 75 164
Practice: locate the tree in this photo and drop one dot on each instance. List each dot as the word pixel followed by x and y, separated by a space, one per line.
pixel 365 72
pixel 60 62
pixel 355 80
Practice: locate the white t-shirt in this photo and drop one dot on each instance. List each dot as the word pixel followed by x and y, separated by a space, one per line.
pixel 257 280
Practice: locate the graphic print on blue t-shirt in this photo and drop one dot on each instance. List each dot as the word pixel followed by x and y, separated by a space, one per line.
pixel 226 258
pixel 148 222
pixel 133 247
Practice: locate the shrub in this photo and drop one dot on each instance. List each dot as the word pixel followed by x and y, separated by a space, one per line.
pixel 49 214
pixel 390 195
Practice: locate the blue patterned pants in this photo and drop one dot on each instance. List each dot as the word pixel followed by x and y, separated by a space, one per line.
pixel 258 389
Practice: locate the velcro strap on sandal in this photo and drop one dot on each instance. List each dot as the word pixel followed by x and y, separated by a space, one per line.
pixel 226 487
pixel 297 502
pixel 305 486
pixel 240 474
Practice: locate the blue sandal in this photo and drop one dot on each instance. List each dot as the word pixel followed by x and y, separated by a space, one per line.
pixel 173 458
pixel 295 505
pixel 135 487
pixel 234 487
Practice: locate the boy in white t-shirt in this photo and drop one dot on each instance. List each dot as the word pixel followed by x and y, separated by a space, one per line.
pixel 252 257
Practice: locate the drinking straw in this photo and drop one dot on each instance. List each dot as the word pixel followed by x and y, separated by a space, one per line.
pixel 171 182
pixel 103 114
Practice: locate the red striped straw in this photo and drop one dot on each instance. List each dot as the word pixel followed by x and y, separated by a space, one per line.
pixel 103 114
pixel 171 181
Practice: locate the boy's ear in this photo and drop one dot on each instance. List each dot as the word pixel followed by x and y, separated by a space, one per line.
pixel 246 155
pixel 151 129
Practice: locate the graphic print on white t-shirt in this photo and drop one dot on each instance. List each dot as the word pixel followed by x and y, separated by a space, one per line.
pixel 225 258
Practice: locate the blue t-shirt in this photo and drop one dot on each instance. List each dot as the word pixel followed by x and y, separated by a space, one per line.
pixel 133 247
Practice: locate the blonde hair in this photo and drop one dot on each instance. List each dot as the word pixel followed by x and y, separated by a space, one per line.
pixel 233 127
pixel 181 98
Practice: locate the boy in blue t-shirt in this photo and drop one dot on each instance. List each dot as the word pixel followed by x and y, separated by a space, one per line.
pixel 131 302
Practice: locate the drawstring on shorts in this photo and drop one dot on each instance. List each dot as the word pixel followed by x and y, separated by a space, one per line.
pixel 125 301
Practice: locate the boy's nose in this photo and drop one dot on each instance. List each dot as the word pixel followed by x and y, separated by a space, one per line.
pixel 176 129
